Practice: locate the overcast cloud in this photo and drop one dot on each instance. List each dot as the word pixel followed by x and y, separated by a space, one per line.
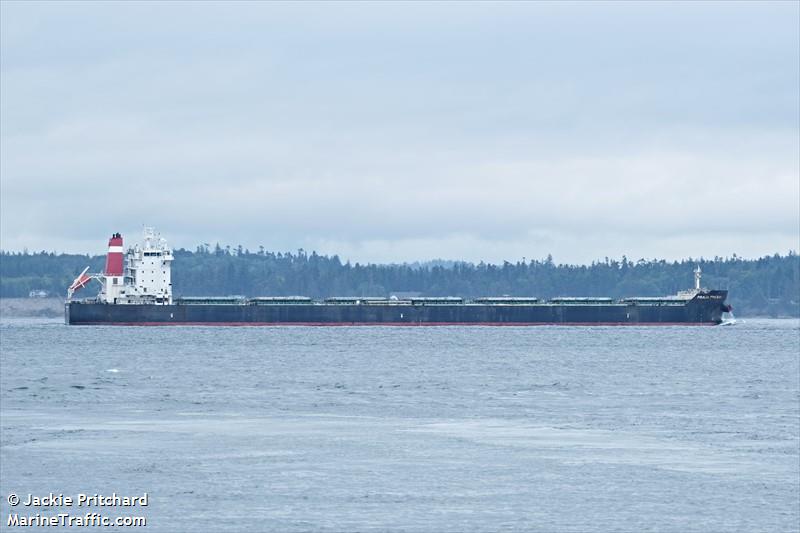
pixel 401 132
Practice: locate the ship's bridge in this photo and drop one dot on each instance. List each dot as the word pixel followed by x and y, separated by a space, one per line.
pixel 148 275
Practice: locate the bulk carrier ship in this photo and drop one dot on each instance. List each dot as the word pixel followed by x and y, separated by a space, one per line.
pixel 136 290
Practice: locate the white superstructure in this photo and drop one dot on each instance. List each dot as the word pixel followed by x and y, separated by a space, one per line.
pixel 148 277
pixel 142 276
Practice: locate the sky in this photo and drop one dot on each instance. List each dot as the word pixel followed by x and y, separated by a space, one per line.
pixel 392 132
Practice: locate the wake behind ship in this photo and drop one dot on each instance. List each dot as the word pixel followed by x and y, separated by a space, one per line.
pixel 136 289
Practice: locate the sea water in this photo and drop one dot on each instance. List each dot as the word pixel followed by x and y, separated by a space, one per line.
pixel 549 429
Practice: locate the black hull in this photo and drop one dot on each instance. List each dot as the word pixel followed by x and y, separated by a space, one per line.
pixel 704 309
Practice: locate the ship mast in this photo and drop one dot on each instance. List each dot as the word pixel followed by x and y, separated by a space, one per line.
pixel 697 274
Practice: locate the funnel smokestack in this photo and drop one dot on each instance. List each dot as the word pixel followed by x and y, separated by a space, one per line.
pixel 114 256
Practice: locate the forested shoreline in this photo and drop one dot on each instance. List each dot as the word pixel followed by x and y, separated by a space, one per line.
pixel 768 286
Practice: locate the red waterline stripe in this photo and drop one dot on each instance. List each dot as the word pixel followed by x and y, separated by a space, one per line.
pixel 393 324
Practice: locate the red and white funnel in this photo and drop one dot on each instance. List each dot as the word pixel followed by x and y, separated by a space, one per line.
pixel 114 257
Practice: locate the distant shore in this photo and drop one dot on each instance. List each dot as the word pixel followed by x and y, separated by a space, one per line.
pixel 32 307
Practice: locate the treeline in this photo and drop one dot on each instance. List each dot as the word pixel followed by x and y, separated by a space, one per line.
pixel 769 286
